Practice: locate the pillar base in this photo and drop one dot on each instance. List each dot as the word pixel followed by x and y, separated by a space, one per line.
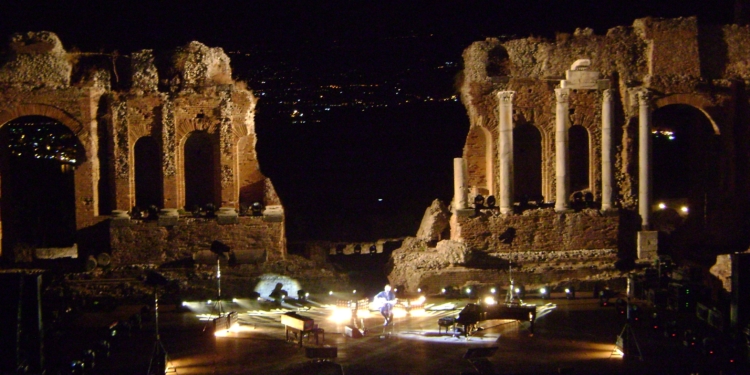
pixel 648 244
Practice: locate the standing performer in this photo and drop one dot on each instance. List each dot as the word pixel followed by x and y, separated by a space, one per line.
pixel 386 299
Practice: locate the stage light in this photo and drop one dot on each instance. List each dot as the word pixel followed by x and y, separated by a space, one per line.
pixel 354 291
pixel 419 290
pixel 468 290
pixel 209 302
pixel 493 290
pixel 307 295
pixel 479 201
pixel 662 206
pixel 330 292
pixel 234 300
pixel 491 201
pixel 684 209
pixel 184 304
pixel 489 300
pixel 544 293
pixel 260 299
pixel 442 290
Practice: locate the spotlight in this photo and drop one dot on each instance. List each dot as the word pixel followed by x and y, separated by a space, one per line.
pixel 354 291
pixel 330 292
pixel 184 304
pixel 209 302
pixel 493 290
pixel 442 290
pixel 684 209
pixel 489 300
pixel 544 293
pixel 662 206
pixel 419 290
pixel 491 201
pixel 256 209
pixel 468 291
pixel 479 201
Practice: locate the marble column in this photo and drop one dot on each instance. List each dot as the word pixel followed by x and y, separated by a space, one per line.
pixel 459 184
pixel 505 146
pixel 607 120
pixel 561 149
pixel 644 158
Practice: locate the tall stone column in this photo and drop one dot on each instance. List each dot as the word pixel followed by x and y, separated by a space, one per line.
pixel 644 158
pixel 561 149
pixel 607 120
pixel 505 117
pixel 459 184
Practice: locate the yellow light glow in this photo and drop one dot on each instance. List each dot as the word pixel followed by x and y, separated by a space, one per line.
pixel 662 206
pixel 341 315
pixel 489 300
pixel 399 312
pixel 684 209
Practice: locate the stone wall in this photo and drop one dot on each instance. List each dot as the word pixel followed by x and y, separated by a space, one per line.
pixel 678 61
pixel 141 242
pixel 110 102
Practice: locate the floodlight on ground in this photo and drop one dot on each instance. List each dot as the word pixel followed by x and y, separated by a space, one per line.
pixel 419 290
pixel 489 300
pixel 544 292
pixel 330 292
pixel 493 290
pixel 354 291
pixel 479 201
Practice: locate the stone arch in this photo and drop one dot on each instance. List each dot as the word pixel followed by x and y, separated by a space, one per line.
pixel 147 173
pixel 527 160
pixel 480 162
pixel 498 62
pixel 698 101
pixel 201 169
pixel 45 110
pixel 686 161
pixel 579 165
pixel 39 184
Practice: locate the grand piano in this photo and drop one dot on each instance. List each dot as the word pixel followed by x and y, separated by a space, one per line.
pixel 473 313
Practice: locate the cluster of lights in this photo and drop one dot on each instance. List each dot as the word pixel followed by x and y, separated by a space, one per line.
pixel 667 133
pixel 683 209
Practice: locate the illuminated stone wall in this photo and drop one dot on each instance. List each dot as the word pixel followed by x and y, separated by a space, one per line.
pixel 111 101
pixel 676 60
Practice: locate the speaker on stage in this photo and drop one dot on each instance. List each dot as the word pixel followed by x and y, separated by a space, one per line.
pixel 353 332
pixel 21 334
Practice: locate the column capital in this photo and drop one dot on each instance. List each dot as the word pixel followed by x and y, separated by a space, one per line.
pixel 506 96
pixel 607 95
pixel 562 95
pixel 644 97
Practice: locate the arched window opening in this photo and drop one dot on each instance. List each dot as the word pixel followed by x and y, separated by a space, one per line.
pixel 477 160
pixel 527 163
pixel 578 139
pixel 149 189
pixel 498 62
pixel 201 170
pixel 685 159
pixel 38 160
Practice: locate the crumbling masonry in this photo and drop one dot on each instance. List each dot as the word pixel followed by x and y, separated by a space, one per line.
pixel 116 104
pixel 564 136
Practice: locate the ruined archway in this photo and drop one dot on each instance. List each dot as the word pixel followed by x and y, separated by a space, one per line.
pixel 479 161
pixel 527 162
pixel 578 138
pixel 201 170
pixel 686 161
pixel 38 158
pixel 149 189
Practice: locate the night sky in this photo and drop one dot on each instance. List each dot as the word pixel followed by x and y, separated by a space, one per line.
pixel 332 178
